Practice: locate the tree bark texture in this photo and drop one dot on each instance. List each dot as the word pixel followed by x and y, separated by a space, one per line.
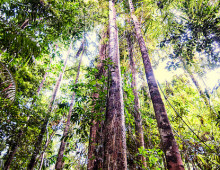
pixel 44 126
pixel 95 143
pixel 92 145
pixel 137 115
pixel 60 162
pixel 170 147
pixel 115 139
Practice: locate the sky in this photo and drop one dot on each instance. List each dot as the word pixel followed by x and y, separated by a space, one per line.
pixel 210 78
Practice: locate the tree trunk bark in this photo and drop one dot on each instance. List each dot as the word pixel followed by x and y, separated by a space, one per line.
pixel 137 115
pixel 115 138
pixel 95 141
pixel 60 163
pixel 12 152
pixel 44 126
pixel 173 157
pixel 92 145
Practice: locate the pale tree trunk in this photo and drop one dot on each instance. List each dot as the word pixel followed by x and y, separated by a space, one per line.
pixel 115 138
pixel 94 161
pixel 45 147
pixel 44 126
pixel 137 115
pixel 60 162
pixel 41 157
pixel 45 76
pixel 170 147
pixel 25 24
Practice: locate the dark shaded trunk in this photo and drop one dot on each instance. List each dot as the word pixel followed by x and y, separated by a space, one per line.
pixel 11 156
pixel 115 138
pixel 170 147
pixel 137 114
pixel 92 145
pixel 38 143
pixel 12 152
pixel 99 152
pixel 95 143
pixel 60 163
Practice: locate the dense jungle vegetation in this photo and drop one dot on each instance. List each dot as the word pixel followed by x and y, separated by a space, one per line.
pixel 110 84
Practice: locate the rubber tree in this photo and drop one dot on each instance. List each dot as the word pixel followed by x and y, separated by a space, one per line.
pixel 170 147
pixel 115 138
pixel 60 163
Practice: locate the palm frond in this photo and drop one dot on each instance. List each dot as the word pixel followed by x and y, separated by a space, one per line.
pixel 7 83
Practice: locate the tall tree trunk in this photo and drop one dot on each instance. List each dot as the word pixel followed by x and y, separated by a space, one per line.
pixel 137 115
pixel 115 138
pixel 45 76
pixel 173 157
pixel 59 162
pixel 95 129
pixel 12 152
pixel 41 157
pixel 44 126
pixel 92 145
